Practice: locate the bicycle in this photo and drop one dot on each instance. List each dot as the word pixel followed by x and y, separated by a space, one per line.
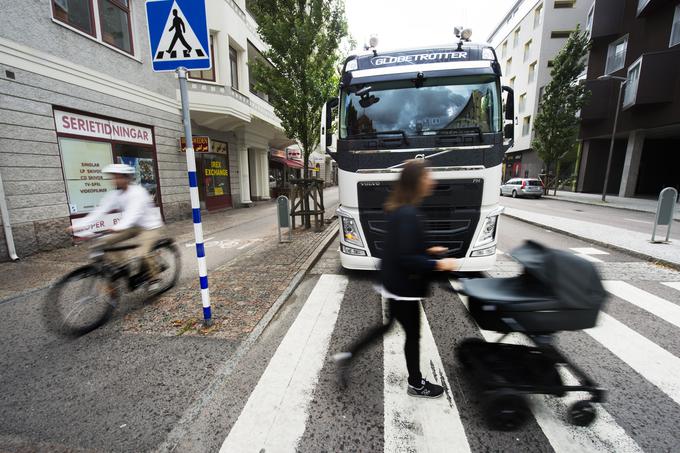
pixel 85 298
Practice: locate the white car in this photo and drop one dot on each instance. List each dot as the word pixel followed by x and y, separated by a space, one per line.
pixel 522 187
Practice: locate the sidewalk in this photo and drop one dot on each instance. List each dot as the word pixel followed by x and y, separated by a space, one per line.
pixel 627 241
pixel 631 204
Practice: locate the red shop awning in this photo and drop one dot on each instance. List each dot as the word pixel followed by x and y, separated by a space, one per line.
pixel 287 162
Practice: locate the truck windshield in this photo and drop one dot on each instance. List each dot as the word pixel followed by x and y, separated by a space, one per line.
pixel 444 105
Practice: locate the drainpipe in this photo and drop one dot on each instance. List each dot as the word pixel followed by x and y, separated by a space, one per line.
pixel 5 223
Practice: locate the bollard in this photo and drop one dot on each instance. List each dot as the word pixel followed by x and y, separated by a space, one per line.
pixel 664 212
pixel 283 215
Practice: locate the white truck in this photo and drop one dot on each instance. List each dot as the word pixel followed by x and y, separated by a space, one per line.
pixel 441 104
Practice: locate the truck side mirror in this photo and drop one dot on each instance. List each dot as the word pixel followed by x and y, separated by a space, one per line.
pixel 327 121
pixel 509 128
pixel 509 131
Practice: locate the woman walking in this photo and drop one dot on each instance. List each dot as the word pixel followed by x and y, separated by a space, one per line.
pixel 405 269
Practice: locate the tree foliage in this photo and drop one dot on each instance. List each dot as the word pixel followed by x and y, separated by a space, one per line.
pixel 556 124
pixel 303 38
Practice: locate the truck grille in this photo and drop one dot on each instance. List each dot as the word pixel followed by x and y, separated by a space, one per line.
pixel 451 214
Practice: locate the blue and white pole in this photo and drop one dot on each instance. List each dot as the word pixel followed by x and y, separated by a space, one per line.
pixel 195 203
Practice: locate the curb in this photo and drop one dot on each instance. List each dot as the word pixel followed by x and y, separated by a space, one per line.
pixel 643 256
pixel 622 208
pixel 183 426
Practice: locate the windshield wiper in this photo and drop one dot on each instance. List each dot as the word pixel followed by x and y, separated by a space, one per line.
pixel 461 130
pixel 376 133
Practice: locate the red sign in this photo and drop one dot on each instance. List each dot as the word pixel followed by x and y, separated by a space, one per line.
pixel 294 153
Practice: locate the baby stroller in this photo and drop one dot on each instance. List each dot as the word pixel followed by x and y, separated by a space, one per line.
pixel 558 291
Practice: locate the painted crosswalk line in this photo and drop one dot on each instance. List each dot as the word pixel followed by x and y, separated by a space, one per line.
pixel 587 253
pixel 657 306
pixel 413 425
pixel 674 285
pixel 603 435
pixel 274 418
pixel 651 361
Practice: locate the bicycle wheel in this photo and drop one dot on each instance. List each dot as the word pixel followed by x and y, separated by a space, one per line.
pixel 168 260
pixel 80 302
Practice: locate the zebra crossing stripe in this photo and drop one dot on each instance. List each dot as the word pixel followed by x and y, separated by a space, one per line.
pixel 411 424
pixel 651 361
pixel 604 434
pixel 657 306
pixel 274 418
pixel 674 285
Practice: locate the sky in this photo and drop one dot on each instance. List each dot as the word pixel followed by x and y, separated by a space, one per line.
pixel 413 23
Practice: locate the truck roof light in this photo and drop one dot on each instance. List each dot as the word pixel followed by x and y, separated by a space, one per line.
pixel 351 65
pixel 373 41
pixel 466 34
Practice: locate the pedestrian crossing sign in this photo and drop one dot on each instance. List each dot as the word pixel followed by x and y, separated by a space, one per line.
pixel 178 34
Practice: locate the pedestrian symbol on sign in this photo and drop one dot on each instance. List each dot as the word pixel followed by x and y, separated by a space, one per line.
pixel 178 34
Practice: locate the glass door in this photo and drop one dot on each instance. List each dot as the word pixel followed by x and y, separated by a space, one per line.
pixel 216 183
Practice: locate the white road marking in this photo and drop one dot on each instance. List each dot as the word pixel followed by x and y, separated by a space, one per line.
pixel 657 306
pixel 193 244
pixel 639 221
pixel 249 243
pixel 674 285
pixel 588 251
pixel 273 419
pixel 411 424
pixel 604 434
pixel 592 259
pixel 654 363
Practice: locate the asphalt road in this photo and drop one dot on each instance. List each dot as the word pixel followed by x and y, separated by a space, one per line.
pixel 642 222
pixel 284 397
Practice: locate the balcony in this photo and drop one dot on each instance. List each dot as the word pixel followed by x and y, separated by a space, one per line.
pixel 645 7
pixel 607 19
pixel 651 79
pixel 599 105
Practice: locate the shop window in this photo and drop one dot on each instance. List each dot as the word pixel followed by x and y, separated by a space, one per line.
pixel 233 67
pixel 207 75
pixel 141 159
pixel 616 55
pixel 114 17
pixel 675 29
pixel 76 13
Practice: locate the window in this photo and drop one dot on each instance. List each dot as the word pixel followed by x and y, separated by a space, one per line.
pixel 255 55
pixel 527 50
pixel 532 72
pixel 541 92
pixel 641 5
pixel 207 75
pixel 564 3
pixel 504 49
pixel 233 67
pixel 632 83
pixel 113 27
pixel 526 125
pixel 508 66
pixel 76 13
pixel 675 29
pixel 522 102
pixel 512 82
pixel 515 37
pixel 537 15
pixel 616 55
pixel 551 63
pixel 114 16
pixel 560 34
pixel 589 20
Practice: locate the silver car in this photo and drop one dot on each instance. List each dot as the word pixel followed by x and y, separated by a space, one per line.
pixel 522 187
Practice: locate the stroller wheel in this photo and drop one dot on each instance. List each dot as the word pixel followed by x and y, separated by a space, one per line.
pixel 581 413
pixel 506 410
pixel 463 350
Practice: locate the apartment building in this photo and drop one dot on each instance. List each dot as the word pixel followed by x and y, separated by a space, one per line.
pixel 77 92
pixel 526 41
pixel 637 43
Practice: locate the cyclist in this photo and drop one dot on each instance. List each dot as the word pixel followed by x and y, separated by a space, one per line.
pixel 139 219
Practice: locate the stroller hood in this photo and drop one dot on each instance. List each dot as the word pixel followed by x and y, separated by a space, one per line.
pixel 573 280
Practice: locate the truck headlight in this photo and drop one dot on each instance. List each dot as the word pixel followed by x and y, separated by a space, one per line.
pixel 488 233
pixel 350 232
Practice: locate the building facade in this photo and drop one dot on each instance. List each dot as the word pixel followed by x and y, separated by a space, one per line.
pixel 77 93
pixel 636 42
pixel 526 41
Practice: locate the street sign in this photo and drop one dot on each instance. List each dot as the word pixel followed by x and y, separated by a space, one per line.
pixel 178 34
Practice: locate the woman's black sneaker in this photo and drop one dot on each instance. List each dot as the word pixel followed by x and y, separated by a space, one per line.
pixel 426 390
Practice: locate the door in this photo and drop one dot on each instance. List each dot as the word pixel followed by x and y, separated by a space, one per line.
pixel 216 181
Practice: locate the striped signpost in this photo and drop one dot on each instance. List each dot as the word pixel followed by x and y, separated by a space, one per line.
pixel 195 203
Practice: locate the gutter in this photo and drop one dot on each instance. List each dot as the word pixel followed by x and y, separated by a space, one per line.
pixel 6 224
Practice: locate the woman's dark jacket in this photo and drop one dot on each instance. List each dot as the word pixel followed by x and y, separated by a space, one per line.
pixel 405 265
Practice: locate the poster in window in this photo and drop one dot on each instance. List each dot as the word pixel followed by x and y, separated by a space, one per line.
pixel 144 172
pixel 83 162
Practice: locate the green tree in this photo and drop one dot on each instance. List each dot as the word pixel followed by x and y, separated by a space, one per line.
pixel 556 125
pixel 303 38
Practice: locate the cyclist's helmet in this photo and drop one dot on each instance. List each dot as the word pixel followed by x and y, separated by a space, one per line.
pixel 119 169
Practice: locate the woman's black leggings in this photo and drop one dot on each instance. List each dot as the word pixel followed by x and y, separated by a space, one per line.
pixel 407 312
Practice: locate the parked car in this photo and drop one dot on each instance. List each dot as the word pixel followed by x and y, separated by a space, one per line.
pixel 522 187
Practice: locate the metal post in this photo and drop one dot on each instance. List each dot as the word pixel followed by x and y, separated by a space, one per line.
pixel 195 203
pixel 611 143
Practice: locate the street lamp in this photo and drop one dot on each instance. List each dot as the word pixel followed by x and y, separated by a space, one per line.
pixel 622 81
